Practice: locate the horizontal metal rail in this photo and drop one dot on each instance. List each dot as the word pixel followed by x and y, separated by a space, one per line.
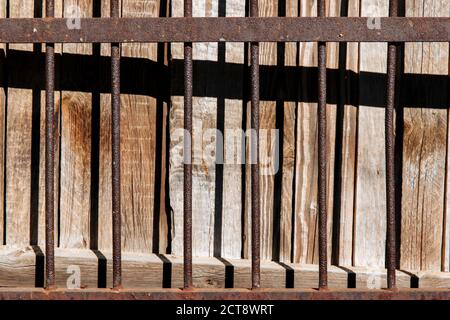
pixel 249 29
pixel 224 294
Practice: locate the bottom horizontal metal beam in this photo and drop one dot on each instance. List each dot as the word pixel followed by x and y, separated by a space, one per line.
pixel 224 294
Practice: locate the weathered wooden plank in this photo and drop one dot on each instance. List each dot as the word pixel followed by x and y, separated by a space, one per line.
pixel 25 138
pixel 217 195
pixel 231 115
pixel 19 145
pixel 208 273
pixel 76 268
pixel 288 142
pixel 76 133
pixel 306 162
pixel 164 212
pixel 41 213
pixel 370 206
pixel 430 279
pixel 306 218
pixel 424 154
pixel 17 268
pixel 139 270
pixel 138 130
pixel 375 278
pixel 346 122
pixel 247 238
pixel 307 276
pixel 287 192
pixel 446 222
pixel 138 142
pixel 333 9
pixel 267 141
pixel 162 216
pixel 267 149
pixel 105 177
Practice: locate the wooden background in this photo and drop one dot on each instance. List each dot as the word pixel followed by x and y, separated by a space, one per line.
pixel 152 111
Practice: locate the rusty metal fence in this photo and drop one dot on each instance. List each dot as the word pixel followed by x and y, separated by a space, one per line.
pixel 321 29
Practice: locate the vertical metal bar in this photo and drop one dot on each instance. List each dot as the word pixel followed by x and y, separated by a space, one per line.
pixel 390 165
pixel 115 140
pixel 256 213
pixel 187 199
pixel 49 156
pixel 322 176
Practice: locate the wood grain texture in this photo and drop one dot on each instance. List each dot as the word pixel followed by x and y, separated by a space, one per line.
pixel 306 161
pixel 105 177
pixel 164 212
pixel 424 154
pixel 306 215
pixel 76 133
pixel 41 194
pixel 18 155
pixel 267 139
pixel 247 238
pixel 370 207
pixel 25 137
pixel 138 143
pixel 17 268
pixel 432 279
pixel 162 216
pixel 231 55
pixel 138 127
pixel 288 112
pixel 375 278
pixel 267 147
pixel 347 164
pixel 217 195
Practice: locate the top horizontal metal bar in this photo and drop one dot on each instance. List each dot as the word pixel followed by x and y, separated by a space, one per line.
pixel 277 29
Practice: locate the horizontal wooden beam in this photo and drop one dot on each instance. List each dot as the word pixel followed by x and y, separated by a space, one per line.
pixel 236 29
pixel 24 267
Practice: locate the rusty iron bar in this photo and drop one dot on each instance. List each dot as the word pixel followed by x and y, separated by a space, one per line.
pixel 115 140
pixel 322 158
pixel 391 256
pixel 224 294
pixel 50 156
pixel 187 187
pixel 220 29
pixel 254 152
